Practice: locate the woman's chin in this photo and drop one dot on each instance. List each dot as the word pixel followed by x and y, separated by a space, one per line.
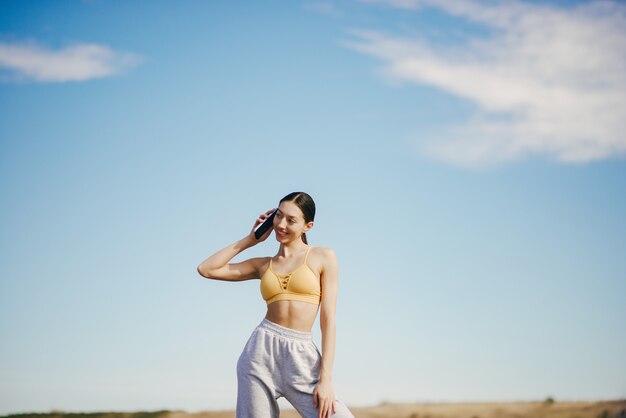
pixel 284 240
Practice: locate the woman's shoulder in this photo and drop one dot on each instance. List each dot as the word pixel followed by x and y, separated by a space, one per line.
pixel 261 264
pixel 324 253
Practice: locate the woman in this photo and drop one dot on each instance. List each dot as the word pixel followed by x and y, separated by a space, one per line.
pixel 280 357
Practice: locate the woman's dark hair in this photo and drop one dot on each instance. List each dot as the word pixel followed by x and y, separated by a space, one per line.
pixel 306 205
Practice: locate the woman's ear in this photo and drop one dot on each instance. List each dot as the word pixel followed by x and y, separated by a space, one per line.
pixel 309 226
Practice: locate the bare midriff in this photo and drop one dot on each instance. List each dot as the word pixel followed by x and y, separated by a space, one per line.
pixel 292 314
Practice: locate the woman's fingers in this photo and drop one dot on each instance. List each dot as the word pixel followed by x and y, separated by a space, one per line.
pixel 325 403
pixel 265 215
pixel 325 410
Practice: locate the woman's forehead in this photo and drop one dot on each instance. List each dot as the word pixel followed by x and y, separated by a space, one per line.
pixel 290 209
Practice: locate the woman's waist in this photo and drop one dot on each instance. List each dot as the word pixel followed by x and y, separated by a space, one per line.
pixel 299 316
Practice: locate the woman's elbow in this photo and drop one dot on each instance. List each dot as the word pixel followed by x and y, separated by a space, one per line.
pixel 204 273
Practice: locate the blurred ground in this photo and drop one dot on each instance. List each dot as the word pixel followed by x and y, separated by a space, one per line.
pixel 545 409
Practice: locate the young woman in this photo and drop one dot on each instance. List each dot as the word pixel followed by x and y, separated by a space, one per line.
pixel 280 357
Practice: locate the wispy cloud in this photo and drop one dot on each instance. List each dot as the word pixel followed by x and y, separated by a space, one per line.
pixel 548 80
pixel 323 7
pixel 29 61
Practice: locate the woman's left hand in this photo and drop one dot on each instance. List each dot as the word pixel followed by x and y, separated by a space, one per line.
pixel 324 399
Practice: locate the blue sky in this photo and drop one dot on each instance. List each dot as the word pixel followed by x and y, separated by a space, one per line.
pixel 466 159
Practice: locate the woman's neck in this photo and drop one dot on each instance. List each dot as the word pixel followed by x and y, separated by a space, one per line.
pixel 287 250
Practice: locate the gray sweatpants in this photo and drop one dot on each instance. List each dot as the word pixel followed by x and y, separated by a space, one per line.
pixel 278 361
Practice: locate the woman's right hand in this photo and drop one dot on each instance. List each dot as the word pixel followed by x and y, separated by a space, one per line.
pixel 258 222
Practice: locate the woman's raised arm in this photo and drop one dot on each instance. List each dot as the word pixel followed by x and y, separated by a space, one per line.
pixel 217 267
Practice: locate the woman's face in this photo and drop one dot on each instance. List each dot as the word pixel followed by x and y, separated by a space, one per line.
pixel 289 222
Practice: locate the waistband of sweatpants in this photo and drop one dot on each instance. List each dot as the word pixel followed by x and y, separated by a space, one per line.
pixel 290 333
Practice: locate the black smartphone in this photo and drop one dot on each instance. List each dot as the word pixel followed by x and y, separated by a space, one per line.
pixel 267 224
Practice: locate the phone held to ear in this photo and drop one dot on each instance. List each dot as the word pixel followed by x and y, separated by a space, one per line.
pixel 267 224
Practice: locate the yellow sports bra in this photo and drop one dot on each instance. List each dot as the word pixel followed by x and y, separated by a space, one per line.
pixel 301 284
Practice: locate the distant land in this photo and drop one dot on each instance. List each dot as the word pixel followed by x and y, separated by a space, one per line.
pixel 537 409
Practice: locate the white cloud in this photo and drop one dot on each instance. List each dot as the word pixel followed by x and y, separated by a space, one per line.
pixel 549 80
pixel 30 61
